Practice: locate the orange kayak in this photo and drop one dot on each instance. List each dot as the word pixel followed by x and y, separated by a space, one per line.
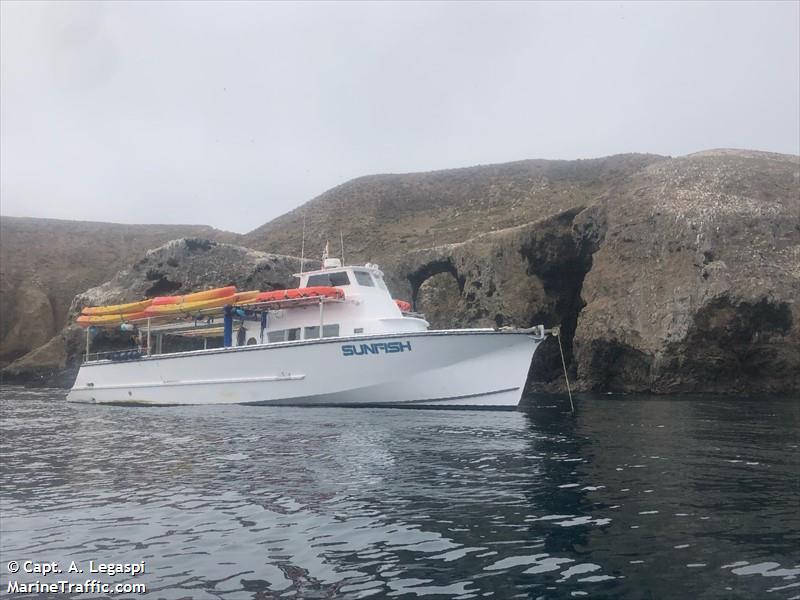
pixel 195 297
pixel 106 320
pixel 245 297
pixel 117 309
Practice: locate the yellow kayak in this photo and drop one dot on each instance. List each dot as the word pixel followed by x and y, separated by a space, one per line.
pixel 195 297
pixel 161 310
pixel 117 309
pixel 105 320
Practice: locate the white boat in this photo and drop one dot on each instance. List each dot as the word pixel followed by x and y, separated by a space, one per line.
pixel 360 349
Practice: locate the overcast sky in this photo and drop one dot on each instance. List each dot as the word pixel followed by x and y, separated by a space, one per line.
pixel 231 114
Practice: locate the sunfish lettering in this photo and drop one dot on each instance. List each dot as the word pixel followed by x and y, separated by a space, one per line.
pixel 376 348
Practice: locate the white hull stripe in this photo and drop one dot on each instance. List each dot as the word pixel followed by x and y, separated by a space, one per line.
pixel 159 384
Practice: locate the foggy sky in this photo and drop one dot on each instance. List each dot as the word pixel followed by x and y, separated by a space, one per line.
pixel 230 114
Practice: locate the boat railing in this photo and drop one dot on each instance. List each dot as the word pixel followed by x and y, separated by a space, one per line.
pixel 193 326
pixel 132 353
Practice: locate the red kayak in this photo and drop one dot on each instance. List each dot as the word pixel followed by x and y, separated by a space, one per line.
pixel 295 293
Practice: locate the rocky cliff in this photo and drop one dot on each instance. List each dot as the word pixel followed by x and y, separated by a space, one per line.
pixel 683 277
pixel 664 274
pixel 46 262
pixel 696 283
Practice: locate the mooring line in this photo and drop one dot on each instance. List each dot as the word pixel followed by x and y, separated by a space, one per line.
pixel 564 364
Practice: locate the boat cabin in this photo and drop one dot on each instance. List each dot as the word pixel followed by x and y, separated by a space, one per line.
pixel 367 308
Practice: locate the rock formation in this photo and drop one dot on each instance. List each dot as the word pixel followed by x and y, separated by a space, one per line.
pixel 685 277
pixel 696 285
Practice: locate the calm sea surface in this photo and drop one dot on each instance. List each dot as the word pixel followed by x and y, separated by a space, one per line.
pixel 628 498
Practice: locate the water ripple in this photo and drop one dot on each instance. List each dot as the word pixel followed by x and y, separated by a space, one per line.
pixel 625 499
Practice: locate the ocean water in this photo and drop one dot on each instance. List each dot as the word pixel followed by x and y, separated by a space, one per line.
pixel 630 497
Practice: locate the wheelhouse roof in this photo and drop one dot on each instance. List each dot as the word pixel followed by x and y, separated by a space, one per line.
pixel 370 268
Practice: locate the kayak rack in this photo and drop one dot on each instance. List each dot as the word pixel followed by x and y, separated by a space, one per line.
pixel 200 323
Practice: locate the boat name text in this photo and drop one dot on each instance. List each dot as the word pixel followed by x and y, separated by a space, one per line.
pixel 377 348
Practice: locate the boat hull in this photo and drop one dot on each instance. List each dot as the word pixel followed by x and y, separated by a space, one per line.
pixel 433 368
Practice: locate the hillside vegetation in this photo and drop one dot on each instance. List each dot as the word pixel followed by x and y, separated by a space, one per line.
pixel 387 215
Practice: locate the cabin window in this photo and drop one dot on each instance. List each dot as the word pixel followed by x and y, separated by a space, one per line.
pixel 364 278
pixel 283 335
pixel 312 333
pixel 358 330
pixel 328 279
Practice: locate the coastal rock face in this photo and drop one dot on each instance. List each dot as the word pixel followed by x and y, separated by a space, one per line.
pixel 683 278
pixel 46 262
pixel 178 267
pixel 33 322
pixel 696 286
pixel 517 277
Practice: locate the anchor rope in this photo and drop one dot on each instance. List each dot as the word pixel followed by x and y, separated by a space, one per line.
pixel 564 364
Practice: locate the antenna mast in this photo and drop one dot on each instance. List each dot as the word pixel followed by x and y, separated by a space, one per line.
pixel 303 244
pixel 341 237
